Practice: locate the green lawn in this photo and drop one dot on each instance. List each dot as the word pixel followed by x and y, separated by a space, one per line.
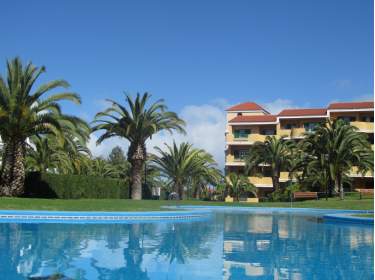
pixel 152 205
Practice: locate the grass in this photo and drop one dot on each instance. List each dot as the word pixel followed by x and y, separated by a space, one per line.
pixel 155 205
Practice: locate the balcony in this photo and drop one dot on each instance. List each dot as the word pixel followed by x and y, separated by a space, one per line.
pixel 230 160
pixel 284 176
pixel 257 137
pixel 293 133
pixel 367 127
pixel 354 173
pixel 250 139
pixel 284 132
pixel 265 182
pixel 298 133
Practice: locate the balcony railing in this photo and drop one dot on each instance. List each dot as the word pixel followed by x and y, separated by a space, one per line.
pixel 291 133
pixel 251 138
pixel 261 181
pixel 354 173
pixel 364 126
pixel 235 161
pixel 297 132
pixel 284 132
pixel 284 176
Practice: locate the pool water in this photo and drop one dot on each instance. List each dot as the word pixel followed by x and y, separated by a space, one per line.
pixel 225 246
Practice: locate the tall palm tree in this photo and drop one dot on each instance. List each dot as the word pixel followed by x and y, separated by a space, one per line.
pixel 25 113
pixel 182 164
pixel 136 122
pixel 337 147
pixel 274 151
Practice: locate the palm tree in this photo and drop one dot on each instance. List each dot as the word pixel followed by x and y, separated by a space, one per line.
pixel 275 152
pixel 207 175
pixel 101 168
pixel 44 155
pixel 239 184
pixel 137 123
pixel 59 153
pixel 220 190
pixel 337 147
pixel 23 114
pixel 183 164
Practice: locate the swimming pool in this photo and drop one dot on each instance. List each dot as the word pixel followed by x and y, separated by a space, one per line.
pixel 228 244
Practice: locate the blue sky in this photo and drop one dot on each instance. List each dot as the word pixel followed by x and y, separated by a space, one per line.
pixel 198 55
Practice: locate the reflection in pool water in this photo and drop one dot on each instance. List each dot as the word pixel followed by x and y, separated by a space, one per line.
pixel 228 246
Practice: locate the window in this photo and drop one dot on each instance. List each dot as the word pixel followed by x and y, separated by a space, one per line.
pixel 310 126
pixel 371 138
pixel 242 133
pixel 367 119
pixel 347 119
pixel 269 131
pixel 240 154
pixel 290 126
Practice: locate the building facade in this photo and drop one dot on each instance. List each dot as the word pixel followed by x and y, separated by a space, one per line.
pixel 248 123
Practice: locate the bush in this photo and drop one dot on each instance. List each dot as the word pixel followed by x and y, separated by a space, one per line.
pixel 280 195
pixel 284 194
pixel 74 186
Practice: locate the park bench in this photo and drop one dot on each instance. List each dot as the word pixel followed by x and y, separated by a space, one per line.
pixel 365 192
pixel 305 195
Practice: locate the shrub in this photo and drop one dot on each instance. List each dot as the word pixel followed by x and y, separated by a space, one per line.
pixel 74 186
pixel 280 195
pixel 284 194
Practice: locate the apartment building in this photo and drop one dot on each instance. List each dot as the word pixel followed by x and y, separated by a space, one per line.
pixel 249 122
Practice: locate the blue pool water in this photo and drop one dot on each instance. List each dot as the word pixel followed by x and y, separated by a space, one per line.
pixel 226 245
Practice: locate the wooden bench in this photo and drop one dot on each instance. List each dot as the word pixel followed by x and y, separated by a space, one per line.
pixel 305 195
pixel 365 192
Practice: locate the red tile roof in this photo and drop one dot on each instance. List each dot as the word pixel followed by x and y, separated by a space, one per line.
pixel 261 118
pixel 302 112
pixel 246 106
pixel 351 105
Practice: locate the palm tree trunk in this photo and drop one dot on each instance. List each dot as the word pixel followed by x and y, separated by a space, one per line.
pixel 178 188
pixel 339 187
pixel 276 182
pixel 137 157
pixel 136 178
pixel 13 169
pixel 197 192
pixel 330 185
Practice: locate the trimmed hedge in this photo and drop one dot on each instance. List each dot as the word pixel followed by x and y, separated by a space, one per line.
pixel 74 186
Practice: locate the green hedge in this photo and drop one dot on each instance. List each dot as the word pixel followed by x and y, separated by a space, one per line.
pixel 74 186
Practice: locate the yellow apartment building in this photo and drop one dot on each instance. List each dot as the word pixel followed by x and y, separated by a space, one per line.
pixel 249 122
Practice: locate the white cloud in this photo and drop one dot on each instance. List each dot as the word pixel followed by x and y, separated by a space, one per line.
pixel 365 97
pixel 205 127
pixel 106 147
pixel 278 105
pixel 342 83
